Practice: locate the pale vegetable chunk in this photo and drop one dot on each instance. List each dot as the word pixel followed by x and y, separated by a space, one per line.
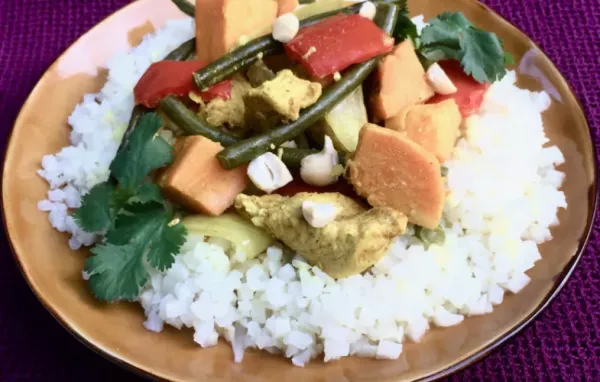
pixel 196 180
pixel 221 24
pixel 400 82
pixel 391 170
pixel 435 126
pixel 246 237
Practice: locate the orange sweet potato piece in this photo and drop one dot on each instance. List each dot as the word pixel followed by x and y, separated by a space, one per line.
pixel 197 181
pixel 221 23
pixel 435 127
pixel 286 6
pixel 399 82
pixel 388 169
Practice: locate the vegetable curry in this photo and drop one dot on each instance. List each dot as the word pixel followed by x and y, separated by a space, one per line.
pixel 322 127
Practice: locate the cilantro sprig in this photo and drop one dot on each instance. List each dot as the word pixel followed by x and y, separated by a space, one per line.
pixel 139 223
pixel 453 36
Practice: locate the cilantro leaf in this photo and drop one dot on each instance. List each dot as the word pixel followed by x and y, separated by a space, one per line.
pixel 116 272
pixel 144 152
pixel 148 192
pixel 405 28
pixel 99 208
pixel 452 36
pixel 151 230
pixel 117 269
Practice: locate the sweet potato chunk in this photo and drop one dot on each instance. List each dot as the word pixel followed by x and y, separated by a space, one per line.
pixel 286 6
pixel 435 127
pixel 388 169
pixel 400 82
pixel 221 23
pixel 196 179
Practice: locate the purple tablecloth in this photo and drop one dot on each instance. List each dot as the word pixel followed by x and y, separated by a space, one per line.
pixel 562 345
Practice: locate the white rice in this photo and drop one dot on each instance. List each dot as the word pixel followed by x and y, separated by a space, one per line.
pixel 503 195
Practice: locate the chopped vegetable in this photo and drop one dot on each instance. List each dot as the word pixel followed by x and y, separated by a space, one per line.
pixel 246 55
pixel 246 237
pixel 165 78
pixel 400 82
pixel 221 24
pixel 436 127
pixel 343 122
pixel 246 150
pixel 318 7
pixel 145 232
pixel 391 170
pixel 183 51
pixel 185 6
pixel 337 43
pixel 286 6
pixel 197 181
pixel 189 122
pixel 452 36
pixel 470 93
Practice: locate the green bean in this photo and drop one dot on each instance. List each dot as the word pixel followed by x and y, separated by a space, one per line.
pixel 246 150
pixel 183 51
pixel 302 141
pixel 189 122
pixel 185 7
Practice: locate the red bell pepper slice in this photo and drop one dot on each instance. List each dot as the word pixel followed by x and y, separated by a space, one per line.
pixel 166 78
pixel 469 96
pixel 336 43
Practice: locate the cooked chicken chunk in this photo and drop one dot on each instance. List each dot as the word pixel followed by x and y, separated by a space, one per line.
pixel 280 99
pixel 349 245
pixel 230 113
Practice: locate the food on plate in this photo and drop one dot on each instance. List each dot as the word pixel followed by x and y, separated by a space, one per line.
pixel 197 181
pixel 433 126
pixel 355 240
pixel 222 25
pixel 389 169
pixel 400 82
pixel 343 123
pixel 279 100
pixel 308 179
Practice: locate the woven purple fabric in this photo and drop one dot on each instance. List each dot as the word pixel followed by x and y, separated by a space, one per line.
pixel 562 345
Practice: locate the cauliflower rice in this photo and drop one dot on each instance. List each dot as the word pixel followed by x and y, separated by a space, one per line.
pixel 503 195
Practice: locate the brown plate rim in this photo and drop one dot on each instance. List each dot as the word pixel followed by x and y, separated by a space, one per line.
pixel 560 282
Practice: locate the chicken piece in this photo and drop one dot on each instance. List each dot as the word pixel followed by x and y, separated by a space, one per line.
pixel 197 181
pixel 280 99
pixel 435 127
pixel 259 73
pixel 391 170
pixel 400 82
pixel 230 113
pixel 349 245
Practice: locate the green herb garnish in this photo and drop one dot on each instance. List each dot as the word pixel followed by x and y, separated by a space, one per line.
pixel 140 226
pixel 452 36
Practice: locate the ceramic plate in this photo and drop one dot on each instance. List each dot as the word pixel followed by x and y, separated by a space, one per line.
pixel 54 271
